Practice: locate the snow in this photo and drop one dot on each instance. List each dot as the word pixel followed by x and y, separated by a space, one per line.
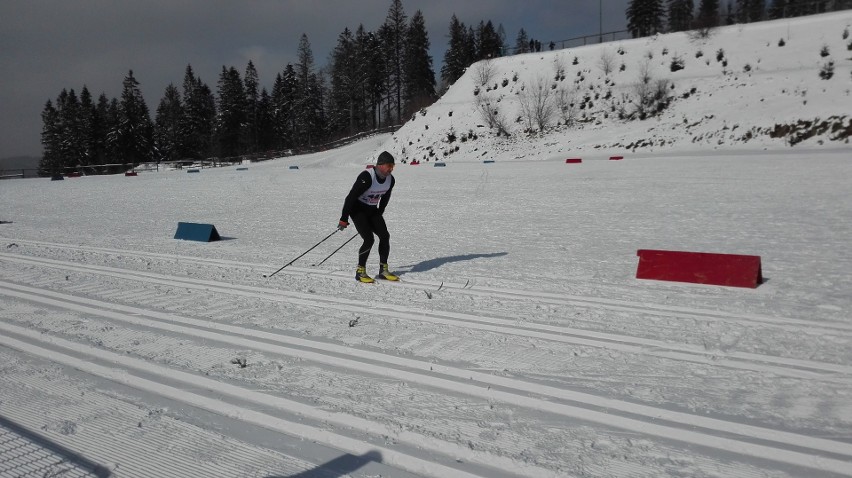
pixel 519 342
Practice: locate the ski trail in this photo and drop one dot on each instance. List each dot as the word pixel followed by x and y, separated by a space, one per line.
pixel 790 367
pixel 791 324
pixel 719 434
pixel 57 350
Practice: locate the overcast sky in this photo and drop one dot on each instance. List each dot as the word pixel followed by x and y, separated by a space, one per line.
pixel 47 46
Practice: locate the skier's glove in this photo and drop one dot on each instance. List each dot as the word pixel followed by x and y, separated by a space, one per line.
pixel 342 225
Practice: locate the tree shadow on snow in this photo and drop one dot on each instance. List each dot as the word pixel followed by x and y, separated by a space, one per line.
pixel 340 466
pixel 438 262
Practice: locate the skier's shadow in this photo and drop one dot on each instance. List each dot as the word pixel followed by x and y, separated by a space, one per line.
pixel 438 262
pixel 340 466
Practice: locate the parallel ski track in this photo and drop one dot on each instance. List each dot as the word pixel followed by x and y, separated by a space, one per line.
pixel 748 440
pixel 122 371
pixel 782 366
pixel 785 323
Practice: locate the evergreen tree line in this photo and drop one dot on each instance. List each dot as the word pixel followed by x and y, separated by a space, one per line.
pixel 646 17
pixel 373 79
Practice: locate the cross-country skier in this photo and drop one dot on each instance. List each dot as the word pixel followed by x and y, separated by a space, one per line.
pixel 366 203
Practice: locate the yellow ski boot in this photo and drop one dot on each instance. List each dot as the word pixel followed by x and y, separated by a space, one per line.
pixel 361 275
pixel 386 274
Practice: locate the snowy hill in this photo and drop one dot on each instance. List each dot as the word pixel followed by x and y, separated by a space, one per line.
pixel 752 86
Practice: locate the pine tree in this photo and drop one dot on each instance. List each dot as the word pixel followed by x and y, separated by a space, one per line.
pixel 306 98
pixel 455 60
pixel 777 9
pixel 501 35
pixel 372 69
pixel 71 134
pixel 394 40
pixel 104 122
pixel 111 146
pixel 265 122
pixel 134 130
pixel 231 116
pixel 346 85
pixel 522 42
pixel 708 14
pixel 167 126
pixel 87 127
pixel 419 75
pixel 748 11
pixel 471 47
pixel 199 117
pixel 680 15
pixel 251 127
pixel 729 16
pixel 284 107
pixel 51 161
pixel 756 10
pixel 644 17
pixel 488 42
pixel 319 101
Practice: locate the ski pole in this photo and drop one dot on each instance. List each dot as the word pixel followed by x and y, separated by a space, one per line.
pixel 309 250
pixel 335 251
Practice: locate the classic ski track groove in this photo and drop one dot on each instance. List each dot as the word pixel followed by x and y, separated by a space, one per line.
pixel 132 452
pixel 789 367
pixel 707 432
pixel 52 350
pixel 544 297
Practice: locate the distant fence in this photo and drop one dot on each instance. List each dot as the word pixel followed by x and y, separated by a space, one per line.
pixel 574 42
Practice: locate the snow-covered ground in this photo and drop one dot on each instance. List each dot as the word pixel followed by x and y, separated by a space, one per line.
pixel 519 342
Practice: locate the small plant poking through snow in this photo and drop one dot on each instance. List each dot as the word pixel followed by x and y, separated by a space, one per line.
pixel 677 64
pixel 824 51
pixel 827 71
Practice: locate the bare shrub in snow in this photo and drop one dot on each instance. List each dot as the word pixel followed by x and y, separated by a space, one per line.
pixel 491 115
pixel 537 105
pixel 645 70
pixel 559 68
pixel 650 97
pixel 700 34
pixel 484 72
pixel 566 105
pixel 606 62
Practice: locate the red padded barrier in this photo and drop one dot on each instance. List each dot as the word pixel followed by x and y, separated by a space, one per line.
pixel 730 270
pixel 573 160
pixel 616 158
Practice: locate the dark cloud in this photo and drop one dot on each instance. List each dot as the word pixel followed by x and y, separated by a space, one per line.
pixel 50 46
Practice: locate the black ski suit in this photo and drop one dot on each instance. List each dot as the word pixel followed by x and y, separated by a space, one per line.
pixel 368 219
